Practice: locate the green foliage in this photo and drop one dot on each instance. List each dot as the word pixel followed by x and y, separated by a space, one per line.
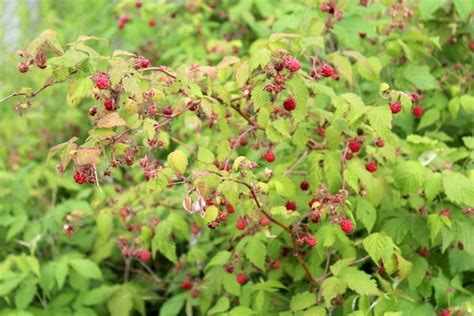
pixel 194 190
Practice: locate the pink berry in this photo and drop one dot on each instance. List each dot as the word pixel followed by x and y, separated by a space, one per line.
pixel 241 224
pixel 145 255
pixel 371 166
pixel 265 221
pixel 167 111
pixel 311 241
pixel 289 104
pixel 152 23
pixel 23 67
pixel 379 142
pixel 138 4
pixel 102 82
pixel 395 107
pixel 79 178
pixel 144 63
pixel 230 208
pixel 109 104
pixel 346 226
pixel 223 216
pixel 292 64
pixel 471 46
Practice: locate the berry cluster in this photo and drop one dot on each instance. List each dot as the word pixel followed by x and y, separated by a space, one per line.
pixel 39 60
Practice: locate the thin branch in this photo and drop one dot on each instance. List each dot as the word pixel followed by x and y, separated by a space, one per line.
pixel 327 274
pixel 151 272
pixel 236 143
pixel 47 84
pixel 161 69
pixel 295 164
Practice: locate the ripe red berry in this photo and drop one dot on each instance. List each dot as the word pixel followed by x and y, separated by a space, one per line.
pixel 93 111
pixel 265 221
pixel 348 155
pixel 230 208
pixel 417 111
pixel 145 255
pixel 471 46
pixel 79 177
pixel 346 226
pixel 109 104
pixel 379 142
pixel 223 216
pixel 371 166
pixel 241 278
pixel 444 313
pixel 276 264
pixel 292 64
pixel 102 82
pixel 269 156
pixel 144 63
pixel 241 224
pixel 290 206
pixel 279 66
pixel 152 23
pixel 395 107
pixel 289 104
pixel 445 213
pixel 311 241
pixel 321 131
pixel 126 251
pixel 186 284
pixel 167 110
pixel 121 25
pixel 327 70
pixel 138 4
pixel 414 97
pixel 279 79
pixel 354 145
pixel 313 200
pixel 124 19
pixel 23 67
pixel 424 252
pixel 304 185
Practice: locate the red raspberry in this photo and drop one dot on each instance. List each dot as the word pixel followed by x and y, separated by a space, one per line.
pixel 313 200
pixel 152 23
pixel 241 224
pixel 109 104
pixel 346 226
pixel 445 213
pixel 311 241
pixel 269 156
pixel 276 264
pixel 289 104
pixel 324 7
pixel 414 97
pixel 186 284
pixel 23 67
pixel 79 177
pixel 290 206
pixel 354 145
pixel 241 278
pixel 395 107
pixel 145 255
pixel 279 79
pixel 417 111
pixel 93 111
pixel 124 19
pixel 144 63
pixel 304 185
pixel 444 313
pixel 102 82
pixel 279 66
pixel 379 142
pixel 229 268
pixel 371 166
pixel 167 111
pixel 292 64
pixel 327 70
pixel 195 293
pixel 138 4
pixel 424 252
pixel 471 46
pixel 265 221
pixel 230 208
pixel 121 25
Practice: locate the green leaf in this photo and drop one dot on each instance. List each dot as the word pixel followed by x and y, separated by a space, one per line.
pixel 421 77
pixel 418 272
pixel 331 288
pixel 86 268
pixel 98 295
pixel 433 185
pixel 78 90
pixel 70 59
pixel 205 155
pixel 260 97
pixel 178 161
pixel 359 281
pixel 173 306
pixel 458 188
pixel 284 186
pixel 343 66
pixel 61 271
pixel 221 306
pixel 380 118
pixel 366 214
pixel 260 58
pixel 210 214
pixel 429 118
pixel 302 301
pixel 242 74
pixel 428 7
pixel 6 286
pixel 162 243
pixel 378 246
pixel 410 176
pixel 220 258
pixel 241 311
pixel 25 294
pixel 332 167
pixel 464 8
pixel 121 303
pixel 256 252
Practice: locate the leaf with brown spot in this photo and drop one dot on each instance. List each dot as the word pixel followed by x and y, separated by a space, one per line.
pixel 111 120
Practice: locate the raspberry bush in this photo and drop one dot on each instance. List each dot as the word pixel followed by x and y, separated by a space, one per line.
pixel 284 158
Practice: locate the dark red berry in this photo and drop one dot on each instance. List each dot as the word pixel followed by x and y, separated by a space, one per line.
pixel 327 70
pixel 138 4
pixel 230 208
pixel 371 166
pixel 229 268
pixel 241 224
pixel 144 63
pixel 23 67
pixel 152 23
pixel 79 177
pixel 167 111
pixel 109 104
pixel 93 111
pixel 304 185
pixel 379 142
pixel 289 104
pixel 186 284
pixel 354 145
pixel 395 107
pixel 290 206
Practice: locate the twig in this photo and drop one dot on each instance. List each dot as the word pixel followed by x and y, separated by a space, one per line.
pixel 47 84
pixel 353 263
pixel 296 163
pixel 152 273
pixel 236 143
pixel 160 69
